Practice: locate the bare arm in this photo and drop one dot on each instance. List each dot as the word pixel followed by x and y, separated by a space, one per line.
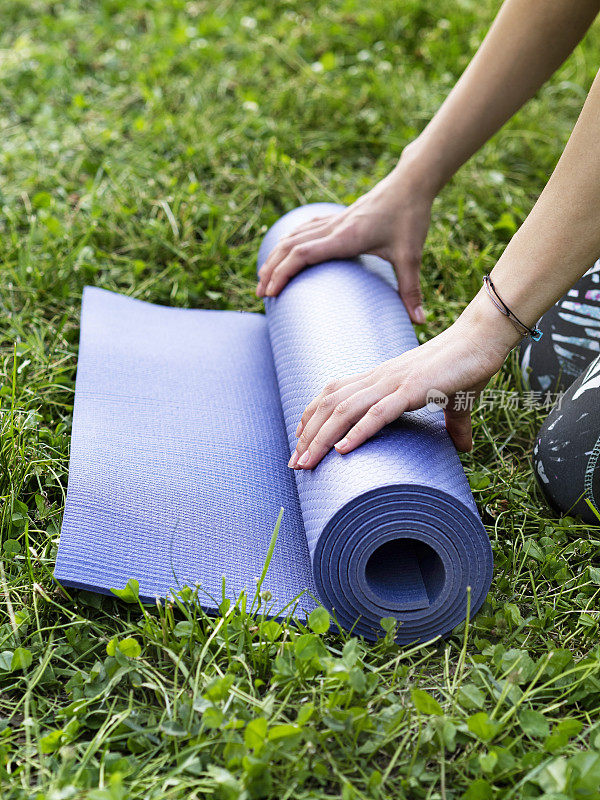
pixel 526 43
pixel 560 238
pixel 553 248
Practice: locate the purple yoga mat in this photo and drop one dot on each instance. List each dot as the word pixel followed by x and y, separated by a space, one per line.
pixel 183 425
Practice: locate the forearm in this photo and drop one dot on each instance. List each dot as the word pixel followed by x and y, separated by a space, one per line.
pixel 528 40
pixel 559 240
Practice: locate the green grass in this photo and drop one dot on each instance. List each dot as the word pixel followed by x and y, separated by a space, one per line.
pixel 145 148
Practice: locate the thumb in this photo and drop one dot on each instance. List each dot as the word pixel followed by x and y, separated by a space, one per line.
pixel 409 288
pixel 458 424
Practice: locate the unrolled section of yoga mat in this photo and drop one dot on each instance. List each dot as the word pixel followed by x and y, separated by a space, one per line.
pixel 392 527
pixel 178 456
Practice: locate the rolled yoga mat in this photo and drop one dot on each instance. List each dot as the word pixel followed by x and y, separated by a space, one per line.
pixel 183 424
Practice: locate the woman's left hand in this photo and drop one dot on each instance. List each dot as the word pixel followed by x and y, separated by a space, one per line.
pixel 461 359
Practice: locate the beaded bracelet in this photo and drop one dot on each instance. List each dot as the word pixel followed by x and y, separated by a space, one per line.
pixel 534 333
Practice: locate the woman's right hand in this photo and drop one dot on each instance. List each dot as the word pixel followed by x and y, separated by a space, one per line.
pixel 390 221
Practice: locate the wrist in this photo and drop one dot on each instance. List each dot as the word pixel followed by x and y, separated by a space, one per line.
pixel 494 334
pixel 425 172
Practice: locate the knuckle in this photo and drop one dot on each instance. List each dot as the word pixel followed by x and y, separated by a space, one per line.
pixel 377 411
pixel 277 274
pixel 342 408
pixel 414 292
pixel 319 442
pixel 411 258
pixel 359 431
pixel 332 387
pixel 309 409
pixel 303 441
pixel 299 251
pixel 381 376
pixel 327 402
pixel 280 252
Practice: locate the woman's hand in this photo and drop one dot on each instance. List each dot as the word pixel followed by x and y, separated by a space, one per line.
pixel 461 359
pixel 390 221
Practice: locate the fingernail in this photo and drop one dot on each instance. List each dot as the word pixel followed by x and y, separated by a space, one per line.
pixel 259 291
pixel 303 460
pixel 420 315
pixel 341 444
pixel 270 287
pixel 293 459
pixel 299 429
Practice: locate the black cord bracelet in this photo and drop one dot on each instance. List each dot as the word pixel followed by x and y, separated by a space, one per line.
pixel 534 333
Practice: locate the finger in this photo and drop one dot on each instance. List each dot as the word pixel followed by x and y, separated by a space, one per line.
pixel 459 426
pixel 281 251
pixel 334 415
pixel 314 229
pixel 332 386
pixel 301 255
pixel 324 404
pixel 288 240
pixel 377 417
pixel 315 222
pixel 409 286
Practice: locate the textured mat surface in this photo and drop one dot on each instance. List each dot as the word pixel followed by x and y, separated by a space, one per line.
pixel 183 424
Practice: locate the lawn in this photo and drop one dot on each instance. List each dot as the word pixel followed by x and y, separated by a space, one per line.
pixel 146 147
